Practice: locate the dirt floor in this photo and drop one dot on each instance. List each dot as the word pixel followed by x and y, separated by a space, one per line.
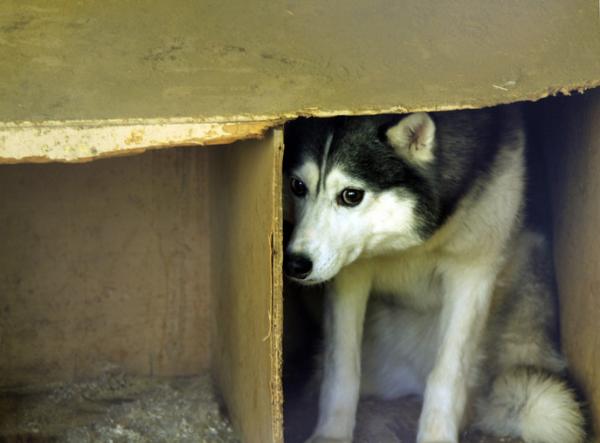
pixel 116 409
pixel 122 409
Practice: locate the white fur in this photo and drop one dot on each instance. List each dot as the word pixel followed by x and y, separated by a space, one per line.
pixel 547 410
pixel 342 366
pixel 326 150
pixel 309 174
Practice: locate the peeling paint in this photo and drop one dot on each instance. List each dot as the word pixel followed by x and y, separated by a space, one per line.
pixel 136 137
pixel 72 143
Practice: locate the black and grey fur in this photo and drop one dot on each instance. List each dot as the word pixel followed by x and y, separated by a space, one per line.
pixel 433 286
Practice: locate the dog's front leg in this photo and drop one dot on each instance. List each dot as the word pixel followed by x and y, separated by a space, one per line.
pixel 347 298
pixel 465 308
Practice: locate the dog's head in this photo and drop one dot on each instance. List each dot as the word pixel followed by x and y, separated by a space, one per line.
pixel 356 187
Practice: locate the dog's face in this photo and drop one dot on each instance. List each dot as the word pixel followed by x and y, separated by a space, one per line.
pixel 356 187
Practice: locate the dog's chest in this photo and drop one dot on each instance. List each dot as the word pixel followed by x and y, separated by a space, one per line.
pixel 411 280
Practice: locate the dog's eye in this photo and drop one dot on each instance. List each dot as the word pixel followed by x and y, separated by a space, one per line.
pixel 298 187
pixel 350 197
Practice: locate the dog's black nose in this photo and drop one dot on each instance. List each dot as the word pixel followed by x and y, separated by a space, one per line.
pixel 297 265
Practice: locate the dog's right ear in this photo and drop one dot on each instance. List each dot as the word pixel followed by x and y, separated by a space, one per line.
pixel 413 137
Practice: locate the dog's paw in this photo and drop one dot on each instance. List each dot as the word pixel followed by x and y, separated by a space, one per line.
pixel 436 439
pixel 317 439
pixel 435 427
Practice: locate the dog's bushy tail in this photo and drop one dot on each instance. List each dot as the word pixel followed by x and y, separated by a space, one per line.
pixel 533 404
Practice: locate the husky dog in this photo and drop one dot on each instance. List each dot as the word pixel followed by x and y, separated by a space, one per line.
pixel 433 285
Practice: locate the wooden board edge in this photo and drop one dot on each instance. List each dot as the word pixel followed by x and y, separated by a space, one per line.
pixel 87 140
pixel 83 143
pixel 276 315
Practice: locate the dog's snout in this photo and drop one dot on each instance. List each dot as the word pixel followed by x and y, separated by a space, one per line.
pixel 297 265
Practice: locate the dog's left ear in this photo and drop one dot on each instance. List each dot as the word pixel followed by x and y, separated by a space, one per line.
pixel 413 137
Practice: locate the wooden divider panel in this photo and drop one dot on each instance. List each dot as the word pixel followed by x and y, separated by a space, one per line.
pixel 246 283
